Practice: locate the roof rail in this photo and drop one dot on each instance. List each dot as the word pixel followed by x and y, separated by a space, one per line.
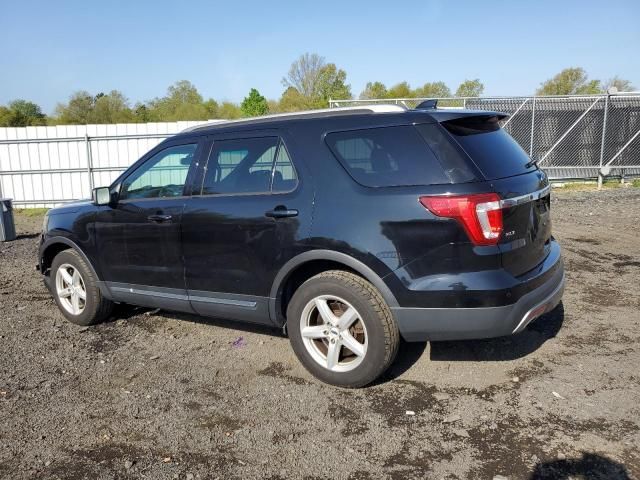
pixel 379 108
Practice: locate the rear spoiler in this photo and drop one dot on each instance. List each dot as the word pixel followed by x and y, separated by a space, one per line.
pixel 445 115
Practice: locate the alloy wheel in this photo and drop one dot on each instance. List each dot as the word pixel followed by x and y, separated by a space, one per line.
pixel 71 289
pixel 333 333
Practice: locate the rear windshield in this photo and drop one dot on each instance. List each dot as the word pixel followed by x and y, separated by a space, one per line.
pixel 399 156
pixel 493 150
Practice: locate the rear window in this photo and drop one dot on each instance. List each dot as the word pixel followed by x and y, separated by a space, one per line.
pixel 493 150
pixel 397 156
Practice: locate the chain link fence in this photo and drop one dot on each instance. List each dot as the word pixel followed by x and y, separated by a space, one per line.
pixel 572 137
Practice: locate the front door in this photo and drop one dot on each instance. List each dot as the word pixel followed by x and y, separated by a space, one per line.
pixel 139 238
pixel 251 215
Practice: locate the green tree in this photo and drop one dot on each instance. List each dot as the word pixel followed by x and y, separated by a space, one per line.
pixel 293 101
pixel 620 84
pixel 400 90
pixel 84 108
pixel 470 88
pixel 332 85
pixel 316 81
pixel 182 102
pixel 5 115
pixel 254 104
pixel 21 113
pixel 374 90
pixel 570 81
pixel 211 107
pixel 141 113
pixel 112 108
pixel 78 111
pixel 229 111
pixel 432 90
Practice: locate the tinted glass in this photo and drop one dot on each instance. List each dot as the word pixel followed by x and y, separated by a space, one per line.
pixel 284 175
pixel 391 156
pixel 240 166
pixel 163 175
pixel 453 160
pixel 492 149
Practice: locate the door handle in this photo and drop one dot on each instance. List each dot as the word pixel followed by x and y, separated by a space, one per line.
pixel 159 218
pixel 281 212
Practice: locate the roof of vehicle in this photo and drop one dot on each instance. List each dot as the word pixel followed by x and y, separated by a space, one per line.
pixel 391 113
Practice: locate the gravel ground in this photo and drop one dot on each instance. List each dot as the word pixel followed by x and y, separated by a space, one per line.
pixel 159 395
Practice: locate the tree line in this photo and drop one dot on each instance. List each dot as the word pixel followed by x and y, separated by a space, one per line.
pixel 310 83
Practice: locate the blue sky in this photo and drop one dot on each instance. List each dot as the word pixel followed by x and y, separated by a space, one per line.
pixel 48 49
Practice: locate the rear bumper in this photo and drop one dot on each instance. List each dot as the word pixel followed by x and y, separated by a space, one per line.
pixel 420 324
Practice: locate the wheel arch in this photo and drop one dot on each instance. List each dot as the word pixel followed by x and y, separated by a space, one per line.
pixel 54 245
pixel 316 261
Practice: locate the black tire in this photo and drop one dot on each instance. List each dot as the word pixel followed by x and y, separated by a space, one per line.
pixel 96 307
pixel 381 329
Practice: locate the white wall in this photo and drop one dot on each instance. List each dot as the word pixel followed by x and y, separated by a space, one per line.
pixel 48 151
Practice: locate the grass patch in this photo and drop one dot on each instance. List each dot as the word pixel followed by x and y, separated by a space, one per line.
pixel 592 185
pixel 31 212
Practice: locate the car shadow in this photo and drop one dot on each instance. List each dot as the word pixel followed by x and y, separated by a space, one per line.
pixel 502 348
pixel 590 467
pixel 408 354
pixel 493 349
pixel 129 312
pixel 27 236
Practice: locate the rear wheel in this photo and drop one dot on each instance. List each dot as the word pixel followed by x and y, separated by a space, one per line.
pixel 341 329
pixel 76 290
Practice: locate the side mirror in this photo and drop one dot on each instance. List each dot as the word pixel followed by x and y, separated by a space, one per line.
pixel 102 196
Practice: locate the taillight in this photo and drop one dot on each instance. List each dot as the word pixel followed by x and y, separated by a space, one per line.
pixel 480 214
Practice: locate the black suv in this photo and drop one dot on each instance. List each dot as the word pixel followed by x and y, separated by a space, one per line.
pixel 350 228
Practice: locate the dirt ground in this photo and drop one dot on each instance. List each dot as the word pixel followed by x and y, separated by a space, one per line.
pixel 160 395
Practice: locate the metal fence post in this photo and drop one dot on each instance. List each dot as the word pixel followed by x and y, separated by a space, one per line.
pixel 533 123
pixel 604 137
pixel 87 143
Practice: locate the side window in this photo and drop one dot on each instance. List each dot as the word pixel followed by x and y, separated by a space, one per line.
pixel 394 156
pixel 240 166
pixel 163 175
pixel 284 175
pixel 250 165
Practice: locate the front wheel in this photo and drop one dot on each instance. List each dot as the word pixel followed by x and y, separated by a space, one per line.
pixel 341 329
pixel 76 290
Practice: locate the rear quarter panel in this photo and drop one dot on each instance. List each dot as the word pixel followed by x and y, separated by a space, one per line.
pixel 389 230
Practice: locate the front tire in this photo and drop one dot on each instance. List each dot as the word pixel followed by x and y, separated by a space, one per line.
pixel 341 329
pixel 75 289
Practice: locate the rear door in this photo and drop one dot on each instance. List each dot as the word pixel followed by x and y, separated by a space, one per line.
pixel 523 187
pixel 251 212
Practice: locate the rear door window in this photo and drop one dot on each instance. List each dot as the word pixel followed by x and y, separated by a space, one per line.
pixel 249 166
pixel 492 149
pixel 393 156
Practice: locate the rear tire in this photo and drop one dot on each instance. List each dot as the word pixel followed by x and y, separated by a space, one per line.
pixel 75 289
pixel 341 329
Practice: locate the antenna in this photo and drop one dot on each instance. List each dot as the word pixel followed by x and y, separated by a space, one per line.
pixel 427 105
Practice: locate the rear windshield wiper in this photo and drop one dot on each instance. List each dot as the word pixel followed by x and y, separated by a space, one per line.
pixel 531 163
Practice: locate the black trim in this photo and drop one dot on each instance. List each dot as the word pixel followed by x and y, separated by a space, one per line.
pixel 436 324
pixel 231 306
pixel 247 308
